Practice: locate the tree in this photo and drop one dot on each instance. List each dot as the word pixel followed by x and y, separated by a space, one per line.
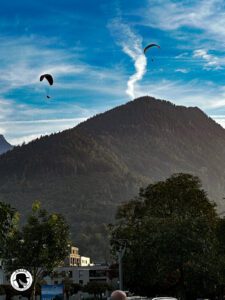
pixel 41 244
pixel 70 288
pixel 8 223
pixel 221 257
pixel 67 283
pixel 170 235
pixel 75 288
pixel 96 288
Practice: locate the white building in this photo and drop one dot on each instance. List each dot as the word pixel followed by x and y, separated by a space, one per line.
pixel 85 261
pixel 75 259
pixel 80 274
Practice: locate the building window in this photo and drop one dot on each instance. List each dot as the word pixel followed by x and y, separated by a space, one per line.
pixel 70 274
pixel 63 274
pixel 97 273
pixel 98 280
pixel 80 273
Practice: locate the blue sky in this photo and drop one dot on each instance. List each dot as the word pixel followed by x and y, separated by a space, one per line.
pixel 94 50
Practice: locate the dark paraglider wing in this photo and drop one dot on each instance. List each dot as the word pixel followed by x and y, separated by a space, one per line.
pixel 42 77
pixel 50 81
pixel 150 46
pixel 48 77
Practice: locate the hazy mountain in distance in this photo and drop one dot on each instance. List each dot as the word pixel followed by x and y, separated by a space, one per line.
pixel 4 145
pixel 87 171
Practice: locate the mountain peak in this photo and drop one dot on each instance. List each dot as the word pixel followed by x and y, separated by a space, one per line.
pixel 146 112
pixel 4 145
pixel 105 160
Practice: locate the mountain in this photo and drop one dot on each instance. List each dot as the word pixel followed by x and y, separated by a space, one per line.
pixel 87 171
pixel 4 145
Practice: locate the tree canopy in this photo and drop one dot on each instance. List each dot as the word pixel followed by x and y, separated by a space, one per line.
pixel 8 224
pixel 96 288
pixel 171 233
pixel 40 245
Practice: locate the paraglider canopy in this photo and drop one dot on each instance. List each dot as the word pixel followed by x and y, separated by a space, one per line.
pixel 48 77
pixel 50 81
pixel 150 46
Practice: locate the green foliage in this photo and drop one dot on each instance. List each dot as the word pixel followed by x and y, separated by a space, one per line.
pixel 171 236
pixel 75 288
pixel 36 206
pixel 70 288
pixel 96 288
pixel 41 244
pixel 113 271
pixel 8 222
pixel 42 241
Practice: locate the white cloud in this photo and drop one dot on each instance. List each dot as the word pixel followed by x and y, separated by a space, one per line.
pixel 193 23
pixel 219 119
pixel 182 70
pixel 23 59
pixel 182 55
pixel 131 44
pixel 140 67
pixel 211 61
pixel 206 95
pixel 170 15
pixel 198 25
pixel 29 130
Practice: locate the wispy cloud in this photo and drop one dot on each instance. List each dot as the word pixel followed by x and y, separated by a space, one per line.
pixel 87 81
pixel 20 122
pixel 22 99
pixel 206 95
pixel 211 61
pixel 23 59
pixel 220 119
pixel 174 15
pixel 182 70
pixel 131 44
pixel 35 129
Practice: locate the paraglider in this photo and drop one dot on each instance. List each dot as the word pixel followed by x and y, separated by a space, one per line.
pixel 50 81
pixel 48 77
pixel 150 46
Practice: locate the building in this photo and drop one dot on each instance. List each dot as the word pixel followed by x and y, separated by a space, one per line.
pixel 80 275
pixel 74 259
pixel 76 269
pixel 85 261
pixel 76 274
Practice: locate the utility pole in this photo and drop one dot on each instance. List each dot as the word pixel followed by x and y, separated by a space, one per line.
pixel 120 254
